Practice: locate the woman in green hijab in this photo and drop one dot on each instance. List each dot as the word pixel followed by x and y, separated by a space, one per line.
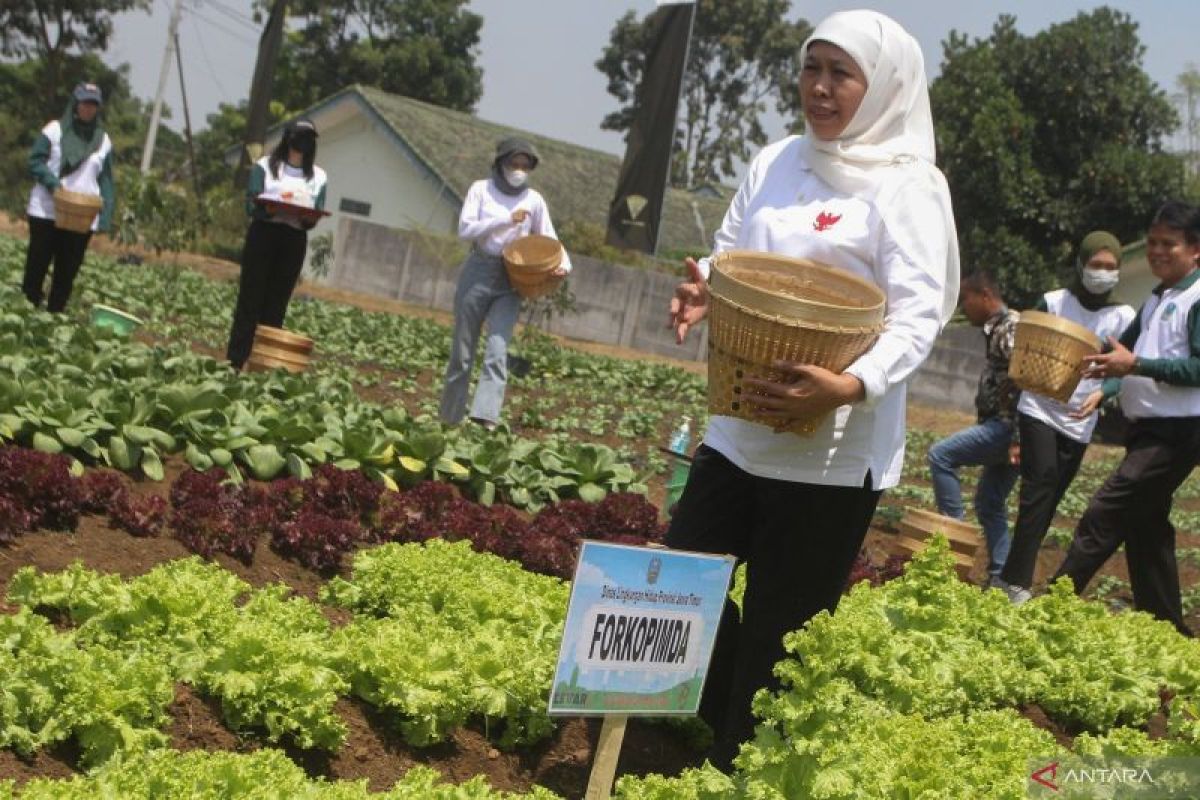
pixel 1054 435
pixel 73 153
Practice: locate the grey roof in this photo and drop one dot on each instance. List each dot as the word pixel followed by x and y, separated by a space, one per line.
pixel 578 182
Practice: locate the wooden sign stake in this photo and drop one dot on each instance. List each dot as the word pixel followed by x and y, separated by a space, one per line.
pixel 604 767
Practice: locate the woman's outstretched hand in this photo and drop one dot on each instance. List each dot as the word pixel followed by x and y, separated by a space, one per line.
pixel 690 303
pixel 812 392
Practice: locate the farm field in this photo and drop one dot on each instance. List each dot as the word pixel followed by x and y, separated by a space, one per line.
pixel 307 579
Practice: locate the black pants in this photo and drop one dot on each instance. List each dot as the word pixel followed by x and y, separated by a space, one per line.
pixel 1049 461
pixel 271 262
pixel 1133 507
pixel 65 249
pixel 798 542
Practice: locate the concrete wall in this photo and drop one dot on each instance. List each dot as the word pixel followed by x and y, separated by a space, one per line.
pixel 616 305
pixel 950 375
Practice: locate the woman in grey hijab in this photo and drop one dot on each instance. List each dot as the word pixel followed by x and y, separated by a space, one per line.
pixel 498 210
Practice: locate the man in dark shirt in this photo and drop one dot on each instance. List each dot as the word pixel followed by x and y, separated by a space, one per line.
pixel 987 442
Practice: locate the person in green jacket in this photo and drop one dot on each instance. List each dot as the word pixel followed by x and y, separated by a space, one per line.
pixel 72 153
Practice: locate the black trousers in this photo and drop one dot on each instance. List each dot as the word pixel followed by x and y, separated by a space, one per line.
pixel 272 258
pixel 65 249
pixel 1133 507
pixel 798 542
pixel 1049 461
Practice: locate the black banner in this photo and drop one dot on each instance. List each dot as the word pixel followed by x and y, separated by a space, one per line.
pixel 633 218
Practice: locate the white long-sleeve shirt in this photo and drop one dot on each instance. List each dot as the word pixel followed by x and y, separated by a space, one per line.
pixel 783 207
pixel 486 218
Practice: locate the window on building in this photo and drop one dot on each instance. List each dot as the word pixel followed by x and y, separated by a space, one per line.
pixel 355 207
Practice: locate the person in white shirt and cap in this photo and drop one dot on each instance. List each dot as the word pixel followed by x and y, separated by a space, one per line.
pixel 75 154
pixel 497 210
pixel 859 191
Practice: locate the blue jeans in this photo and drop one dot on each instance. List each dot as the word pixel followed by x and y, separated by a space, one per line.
pixel 986 445
pixel 483 295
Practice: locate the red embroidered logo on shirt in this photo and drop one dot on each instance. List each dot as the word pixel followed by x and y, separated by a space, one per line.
pixel 825 221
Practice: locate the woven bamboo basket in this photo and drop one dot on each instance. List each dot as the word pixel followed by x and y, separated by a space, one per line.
pixel 1048 354
pixel 74 211
pixel 530 263
pixel 275 348
pixel 766 308
pixel 917 526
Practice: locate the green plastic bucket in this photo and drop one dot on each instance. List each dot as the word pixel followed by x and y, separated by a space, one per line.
pixel 114 319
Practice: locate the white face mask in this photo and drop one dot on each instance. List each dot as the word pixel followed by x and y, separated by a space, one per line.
pixel 1100 281
pixel 515 177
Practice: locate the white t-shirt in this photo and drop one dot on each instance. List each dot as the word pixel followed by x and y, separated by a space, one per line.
pixel 783 207
pixel 291 186
pixel 486 218
pixel 85 179
pixel 1104 322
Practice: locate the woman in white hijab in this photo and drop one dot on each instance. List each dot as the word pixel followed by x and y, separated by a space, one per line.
pixel 858 191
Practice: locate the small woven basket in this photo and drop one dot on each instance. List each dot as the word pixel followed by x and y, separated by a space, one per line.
pixel 766 308
pixel 530 263
pixel 1048 354
pixel 74 211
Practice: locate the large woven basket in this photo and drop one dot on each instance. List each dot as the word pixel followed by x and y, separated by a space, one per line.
pixel 766 308
pixel 74 211
pixel 1048 354
pixel 530 262
pixel 275 348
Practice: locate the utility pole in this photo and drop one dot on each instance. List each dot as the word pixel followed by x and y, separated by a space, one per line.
pixel 269 45
pixel 163 74
pixel 187 131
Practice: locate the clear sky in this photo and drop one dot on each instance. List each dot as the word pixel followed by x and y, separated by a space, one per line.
pixel 538 55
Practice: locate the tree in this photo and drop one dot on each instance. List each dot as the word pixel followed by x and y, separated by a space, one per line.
pixel 424 49
pixel 1188 83
pixel 743 52
pixel 50 29
pixel 1045 137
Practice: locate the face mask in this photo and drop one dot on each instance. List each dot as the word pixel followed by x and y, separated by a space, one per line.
pixel 515 177
pixel 1100 281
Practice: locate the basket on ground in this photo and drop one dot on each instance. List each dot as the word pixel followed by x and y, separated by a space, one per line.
pixel 530 263
pixel 1048 354
pixel 74 211
pixel 766 308
pixel 114 319
pixel 275 348
pixel 917 526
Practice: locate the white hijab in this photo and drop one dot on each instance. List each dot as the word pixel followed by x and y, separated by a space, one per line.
pixel 887 150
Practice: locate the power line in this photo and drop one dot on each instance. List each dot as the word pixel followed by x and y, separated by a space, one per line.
pixel 231 13
pixel 212 72
pixel 235 34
